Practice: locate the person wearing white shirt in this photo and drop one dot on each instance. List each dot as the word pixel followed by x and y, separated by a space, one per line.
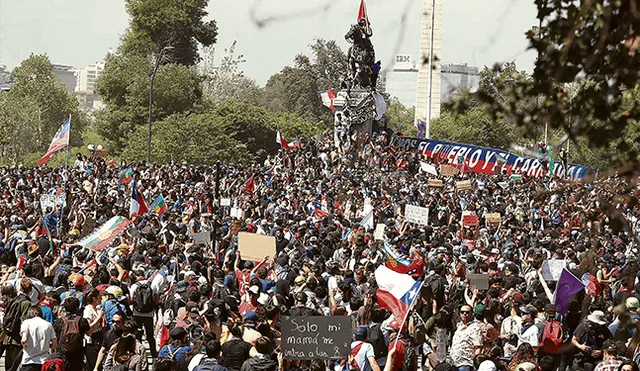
pixel 38 340
pixel 529 333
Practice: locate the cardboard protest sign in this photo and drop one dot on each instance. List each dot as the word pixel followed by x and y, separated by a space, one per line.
pixel 493 218
pixel 225 202
pixel 236 212
pixel 480 281
pixel 379 232
pixel 470 220
pixel 552 268
pixel 448 170
pixel 316 337
pixel 435 183
pixel 428 168
pixel 416 214
pixel 255 247
pixel 202 237
pixel 463 185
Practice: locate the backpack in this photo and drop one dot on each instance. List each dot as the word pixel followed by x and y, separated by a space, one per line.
pixel 71 339
pixel 53 364
pixel 143 300
pixel 552 337
pixel 220 291
pixel 376 338
pixel 409 360
pixel 111 307
pixel 13 316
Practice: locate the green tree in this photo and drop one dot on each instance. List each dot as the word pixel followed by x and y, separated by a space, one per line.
pixel 400 118
pixel 33 110
pixel 156 24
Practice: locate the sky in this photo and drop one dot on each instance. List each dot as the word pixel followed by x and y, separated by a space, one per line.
pixel 80 32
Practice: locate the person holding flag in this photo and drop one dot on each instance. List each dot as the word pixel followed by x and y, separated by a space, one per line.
pixel 59 141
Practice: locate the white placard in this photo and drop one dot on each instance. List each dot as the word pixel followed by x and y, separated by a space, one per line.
pixel 552 268
pixel 379 232
pixel 225 202
pixel 416 214
pixel 52 201
pixel 428 168
pixel 236 212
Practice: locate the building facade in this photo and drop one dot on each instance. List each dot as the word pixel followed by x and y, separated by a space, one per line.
pixel 454 76
pixel 87 77
pixel 66 75
pixel 400 81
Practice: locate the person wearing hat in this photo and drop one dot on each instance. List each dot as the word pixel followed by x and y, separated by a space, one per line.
pixel 529 333
pixel 589 338
pixel 611 353
pixel 362 356
pixel 252 304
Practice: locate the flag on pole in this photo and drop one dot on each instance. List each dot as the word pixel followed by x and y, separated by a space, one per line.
pixel 251 185
pixel 159 206
pixel 396 291
pixel 362 13
pixel 327 97
pixel 280 139
pixel 320 209
pixel 59 141
pixel 103 236
pixel 568 286
pixel 137 206
pixel 125 176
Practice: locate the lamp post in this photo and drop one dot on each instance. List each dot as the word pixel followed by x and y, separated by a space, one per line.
pixel 152 78
pixel 538 33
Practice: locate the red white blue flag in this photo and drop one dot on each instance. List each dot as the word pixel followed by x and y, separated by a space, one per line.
pixel 60 141
pixel 396 291
pixel 137 206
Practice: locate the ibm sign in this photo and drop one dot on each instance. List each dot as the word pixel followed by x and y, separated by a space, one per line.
pixel 403 58
pixel 404 62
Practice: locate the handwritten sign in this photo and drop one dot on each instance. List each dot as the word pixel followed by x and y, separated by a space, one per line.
pixel 428 168
pixel 463 185
pixel 435 183
pixel 552 268
pixel 316 337
pixel 225 202
pixel 237 212
pixel 493 218
pixel 416 214
pixel 255 247
pixel 448 170
pixel 379 232
pixel 52 201
pixel 470 220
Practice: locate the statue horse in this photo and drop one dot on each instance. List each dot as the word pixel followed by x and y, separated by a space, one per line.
pixel 361 55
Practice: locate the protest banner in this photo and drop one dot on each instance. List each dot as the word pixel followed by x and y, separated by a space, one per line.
pixel 448 170
pixel 52 201
pixel 493 218
pixel 237 212
pixel 464 185
pixel 103 236
pixel 255 247
pixel 480 281
pixel 552 269
pixel 416 214
pixel 202 237
pixel 316 337
pixel 428 168
pixel 435 183
pixel 485 160
pixel 469 220
pixel 379 232
pixel 88 226
pixel 225 202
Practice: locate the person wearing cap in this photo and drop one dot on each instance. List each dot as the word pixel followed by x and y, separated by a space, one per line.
pixel 589 338
pixel 362 356
pixel 611 353
pixel 529 333
pixel 252 304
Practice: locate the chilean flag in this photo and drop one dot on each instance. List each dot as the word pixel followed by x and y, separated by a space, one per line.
pixel 137 206
pixel 280 139
pixel 327 97
pixel 59 141
pixel 251 186
pixel 320 209
pixel 396 291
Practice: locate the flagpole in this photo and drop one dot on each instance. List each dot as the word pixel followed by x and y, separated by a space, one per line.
pixel 406 316
pixel 68 140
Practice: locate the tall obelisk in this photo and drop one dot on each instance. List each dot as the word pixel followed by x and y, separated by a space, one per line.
pixel 428 92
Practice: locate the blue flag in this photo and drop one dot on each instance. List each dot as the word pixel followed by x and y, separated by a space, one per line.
pixel 568 286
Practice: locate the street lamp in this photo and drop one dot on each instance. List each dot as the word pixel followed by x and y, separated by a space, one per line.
pixel 152 78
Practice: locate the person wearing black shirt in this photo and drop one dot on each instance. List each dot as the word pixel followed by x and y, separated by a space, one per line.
pixel 235 351
pixel 71 305
pixel 111 336
pixel 301 309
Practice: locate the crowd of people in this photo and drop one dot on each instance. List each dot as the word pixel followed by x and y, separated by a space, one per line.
pixel 156 298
